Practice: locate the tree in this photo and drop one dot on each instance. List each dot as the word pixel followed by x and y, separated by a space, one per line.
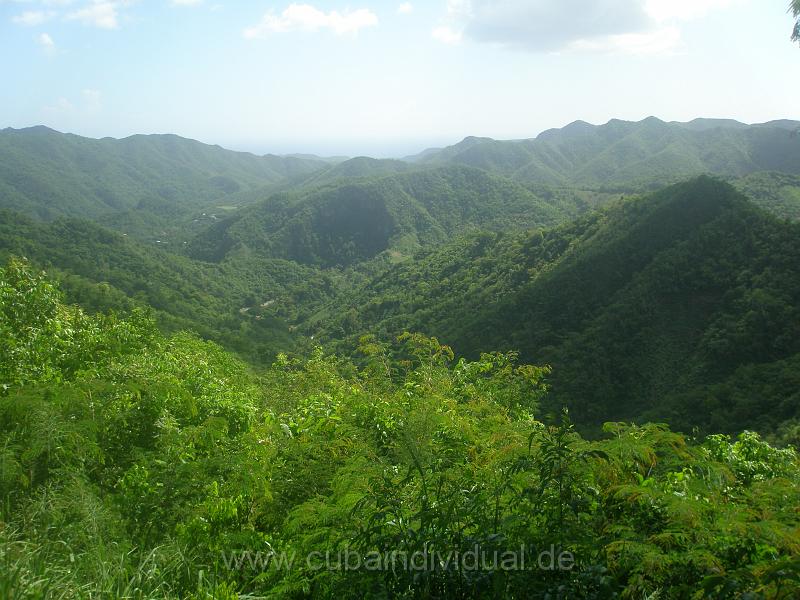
pixel 794 8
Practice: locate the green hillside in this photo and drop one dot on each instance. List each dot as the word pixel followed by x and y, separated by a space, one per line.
pixel 643 309
pixel 624 156
pixel 138 465
pixel 246 306
pixel 373 330
pixel 361 166
pixel 355 220
pixel 49 174
pixel 139 459
pixel 779 193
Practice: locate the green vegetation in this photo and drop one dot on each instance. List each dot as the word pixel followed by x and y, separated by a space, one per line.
pixel 168 189
pixel 102 269
pixel 208 391
pixel 361 166
pixel 355 220
pixel 143 184
pixel 646 309
pixel 778 193
pixel 141 466
pixel 626 156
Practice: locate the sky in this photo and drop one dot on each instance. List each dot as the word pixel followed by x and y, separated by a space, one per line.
pixel 387 78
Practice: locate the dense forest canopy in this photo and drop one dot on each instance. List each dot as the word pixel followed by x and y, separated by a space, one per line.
pixel 646 307
pixel 208 388
pixel 623 155
pixel 140 465
pixel 270 331
pixel 331 250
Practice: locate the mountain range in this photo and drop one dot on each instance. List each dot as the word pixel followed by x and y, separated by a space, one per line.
pixel 623 155
pixel 643 308
pixel 568 248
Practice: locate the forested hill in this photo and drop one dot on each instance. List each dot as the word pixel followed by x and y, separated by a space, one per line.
pixel 138 465
pixel 622 155
pixel 647 309
pixel 47 174
pixel 354 220
pixel 102 269
pixel 361 166
pixel 138 460
pixel 779 193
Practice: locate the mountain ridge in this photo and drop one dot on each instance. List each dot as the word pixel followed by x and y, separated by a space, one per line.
pixel 641 307
pixel 630 155
pixel 47 173
pixel 356 219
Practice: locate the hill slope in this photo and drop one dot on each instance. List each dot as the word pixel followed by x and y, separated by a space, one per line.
pixel 245 306
pixel 779 193
pixel 49 174
pixel 361 166
pixel 355 220
pixel 625 155
pixel 131 459
pixel 643 309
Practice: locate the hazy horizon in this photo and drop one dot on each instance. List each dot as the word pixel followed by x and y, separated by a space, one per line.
pixel 387 78
pixel 412 148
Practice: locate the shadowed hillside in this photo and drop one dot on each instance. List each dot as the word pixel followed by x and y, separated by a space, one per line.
pixel 643 308
pixel 355 220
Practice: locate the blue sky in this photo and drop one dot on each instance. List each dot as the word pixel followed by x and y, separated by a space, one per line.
pixel 387 78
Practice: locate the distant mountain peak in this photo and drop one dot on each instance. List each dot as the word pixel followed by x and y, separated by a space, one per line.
pixel 471 140
pixel 651 120
pixel 579 125
pixel 33 129
pixel 632 155
pixel 704 124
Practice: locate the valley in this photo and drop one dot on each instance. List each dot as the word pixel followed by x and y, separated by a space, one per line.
pixel 587 342
pixel 471 243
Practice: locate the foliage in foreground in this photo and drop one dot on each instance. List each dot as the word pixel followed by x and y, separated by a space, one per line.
pixel 134 465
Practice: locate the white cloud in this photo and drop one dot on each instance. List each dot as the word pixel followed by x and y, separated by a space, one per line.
pixel 406 8
pixel 61 106
pixel 33 17
pixel 304 17
pixel 46 42
pixel 545 25
pixel 459 8
pixel 99 13
pixel 459 12
pixel 187 2
pixel 661 41
pixel 89 103
pixel 633 26
pixel 92 100
pixel 446 35
pixel 665 10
